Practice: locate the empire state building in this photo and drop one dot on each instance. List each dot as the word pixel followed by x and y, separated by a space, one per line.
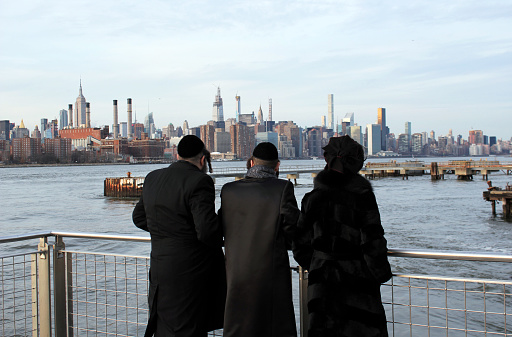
pixel 80 107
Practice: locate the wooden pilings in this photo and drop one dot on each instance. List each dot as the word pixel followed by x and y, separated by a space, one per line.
pixel 293 176
pixel 126 187
pixel 434 172
pixel 494 194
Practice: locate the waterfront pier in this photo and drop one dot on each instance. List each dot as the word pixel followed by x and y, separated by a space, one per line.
pixel 463 169
pixel 496 194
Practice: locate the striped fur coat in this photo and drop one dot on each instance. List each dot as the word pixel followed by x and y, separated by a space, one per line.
pixel 340 241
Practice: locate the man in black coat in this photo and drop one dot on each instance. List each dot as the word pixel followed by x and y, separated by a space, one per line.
pixel 187 273
pixel 259 216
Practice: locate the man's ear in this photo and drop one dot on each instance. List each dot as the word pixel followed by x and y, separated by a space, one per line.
pixel 202 160
pixel 277 166
pixel 252 163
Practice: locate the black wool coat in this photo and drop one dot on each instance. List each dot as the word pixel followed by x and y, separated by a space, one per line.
pixel 259 217
pixel 340 241
pixel 187 273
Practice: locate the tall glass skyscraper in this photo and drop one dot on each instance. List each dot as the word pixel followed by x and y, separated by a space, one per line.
pixel 63 119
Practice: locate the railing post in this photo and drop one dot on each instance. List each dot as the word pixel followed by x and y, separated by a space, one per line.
pixel 35 299
pixel 59 288
pixel 303 299
pixel 45 305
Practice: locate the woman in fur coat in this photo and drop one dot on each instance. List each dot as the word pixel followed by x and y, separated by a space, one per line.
pixel 340 241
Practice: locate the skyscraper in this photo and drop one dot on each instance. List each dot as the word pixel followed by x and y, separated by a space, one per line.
pixel 408 129
pixel 260 116
pixel 238 108
pixel 44 125
pixel 374 139
pixel 330 111
pixel 384 130
pixel 63 119
pixel 149 124
pixel 218 109
pixel 4 130
pixel 80 107
pixel 346 123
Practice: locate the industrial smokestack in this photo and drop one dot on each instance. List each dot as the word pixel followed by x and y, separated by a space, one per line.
pixel 87 115
pixel 70 113
pixel 130 127
pixel 115 128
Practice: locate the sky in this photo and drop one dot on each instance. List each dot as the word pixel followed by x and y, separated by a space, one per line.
pixel 438 64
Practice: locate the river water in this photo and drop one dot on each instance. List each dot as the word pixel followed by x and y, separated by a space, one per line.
pixel 417 213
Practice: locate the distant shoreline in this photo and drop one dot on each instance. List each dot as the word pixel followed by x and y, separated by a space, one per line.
pixel 144 163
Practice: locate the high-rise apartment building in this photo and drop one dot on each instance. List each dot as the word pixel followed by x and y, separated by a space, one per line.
pixel 238 109
pixel 293 134
pixel 417 143
pixel 355 133
pixel 408 131
pixel 403 144
pixel 314 141
pixel 60 148
pixel 330 111
pixel 476 137
pixel 222 142
pixel 267 136
pixel 218 108
pixel 208 136
pixel 242 140
pixel 26 149
pixel 80 107
pixel 374 139
pixel 63 118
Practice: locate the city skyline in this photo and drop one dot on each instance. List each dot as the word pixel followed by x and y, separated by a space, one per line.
pixel 439 65
pixel 218 102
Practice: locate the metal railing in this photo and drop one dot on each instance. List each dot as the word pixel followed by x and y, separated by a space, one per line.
pixel 61 292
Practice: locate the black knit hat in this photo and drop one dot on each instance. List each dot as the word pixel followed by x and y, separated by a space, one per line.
pixel 190 146
pixel 265 151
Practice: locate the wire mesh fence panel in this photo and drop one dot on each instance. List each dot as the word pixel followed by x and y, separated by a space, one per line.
pixel 108 294
pixel 18 295
pixel 436 306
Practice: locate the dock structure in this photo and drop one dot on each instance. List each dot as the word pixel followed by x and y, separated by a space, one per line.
pixel 463 169
pixel 291 172
pixel 494 194
pixel 125 187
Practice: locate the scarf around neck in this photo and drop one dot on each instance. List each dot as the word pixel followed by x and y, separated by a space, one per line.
pixel 260 171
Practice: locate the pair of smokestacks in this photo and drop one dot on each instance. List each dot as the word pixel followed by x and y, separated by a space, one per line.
pixel 115 129
pixel 87 115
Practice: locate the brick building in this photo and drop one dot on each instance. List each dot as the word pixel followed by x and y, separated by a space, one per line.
pixel 26 149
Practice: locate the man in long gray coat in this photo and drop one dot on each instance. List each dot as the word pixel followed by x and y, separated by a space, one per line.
pixel 187 275
pixel 259 216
